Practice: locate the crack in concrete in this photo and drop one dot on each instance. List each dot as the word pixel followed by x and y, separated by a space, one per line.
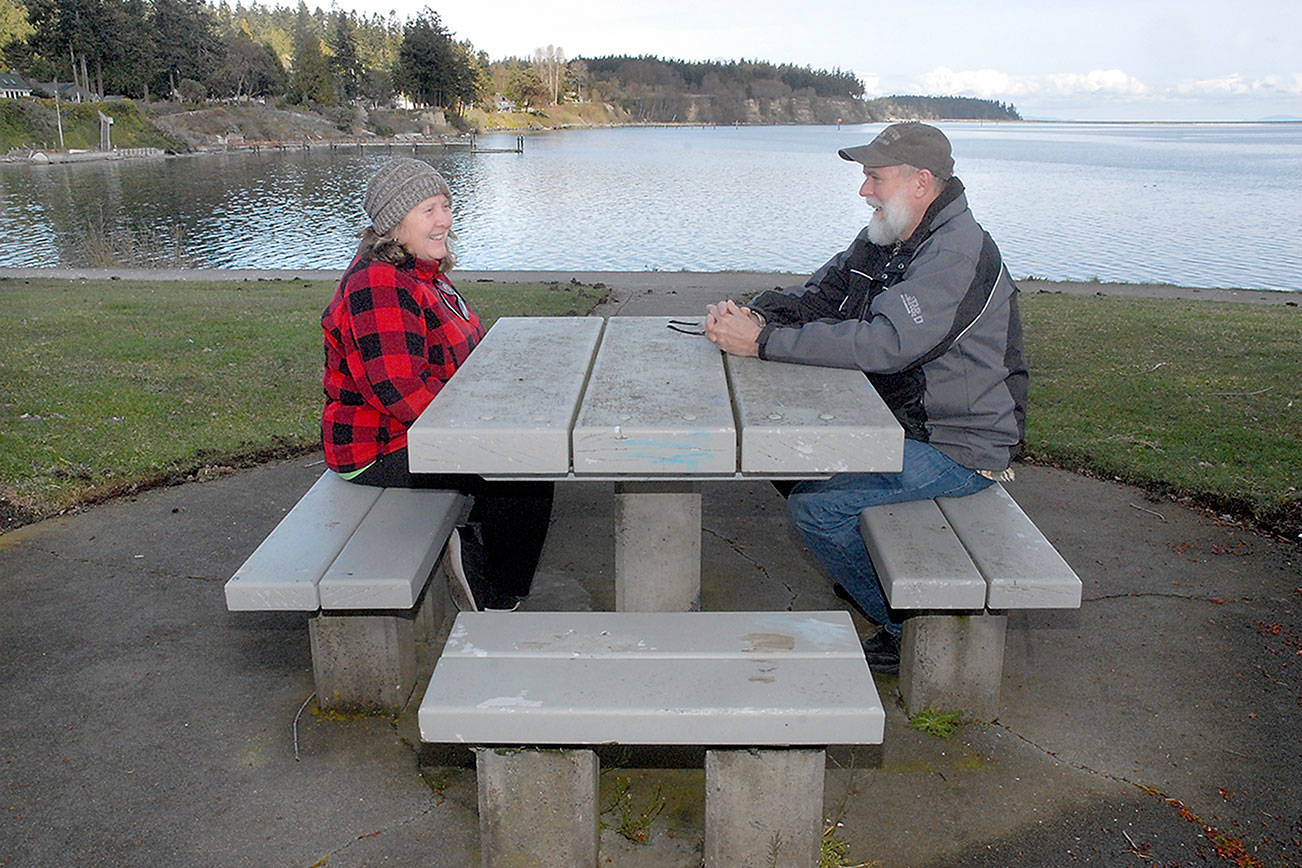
pixel 390 827
pixel 1206 832
pixel 438 796
pixel 1064 761
pixel 732 544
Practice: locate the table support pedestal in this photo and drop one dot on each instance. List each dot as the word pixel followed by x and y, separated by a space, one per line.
pixel 657 546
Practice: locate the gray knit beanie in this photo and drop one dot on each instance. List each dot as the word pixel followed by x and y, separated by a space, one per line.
pixel 398 186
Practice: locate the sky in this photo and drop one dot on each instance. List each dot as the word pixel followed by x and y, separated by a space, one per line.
pixel 1053 59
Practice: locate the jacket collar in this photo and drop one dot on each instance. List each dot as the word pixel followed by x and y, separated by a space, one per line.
pixel 425 269
pixel 938 213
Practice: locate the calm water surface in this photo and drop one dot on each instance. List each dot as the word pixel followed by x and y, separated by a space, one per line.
pixel 1197 205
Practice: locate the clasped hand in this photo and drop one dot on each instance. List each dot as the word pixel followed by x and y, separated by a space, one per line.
pixel 732 328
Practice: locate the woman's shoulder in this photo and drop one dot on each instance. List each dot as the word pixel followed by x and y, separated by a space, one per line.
pixel 370 273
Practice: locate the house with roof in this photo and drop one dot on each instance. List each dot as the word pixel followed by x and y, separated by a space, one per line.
pixel 67 91
pixel 13 85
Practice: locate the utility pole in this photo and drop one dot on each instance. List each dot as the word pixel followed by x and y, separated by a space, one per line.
pixel 58 114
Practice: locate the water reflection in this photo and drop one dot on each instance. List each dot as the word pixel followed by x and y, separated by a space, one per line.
pixel 1200 205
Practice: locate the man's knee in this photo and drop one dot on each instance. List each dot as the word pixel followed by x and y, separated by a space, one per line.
pixel 798 509
pixel 818 512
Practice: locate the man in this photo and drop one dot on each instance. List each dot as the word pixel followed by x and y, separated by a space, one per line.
pixel 922 304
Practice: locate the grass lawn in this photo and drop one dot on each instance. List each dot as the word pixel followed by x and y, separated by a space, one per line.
pixel 1192 398
pixel 108 385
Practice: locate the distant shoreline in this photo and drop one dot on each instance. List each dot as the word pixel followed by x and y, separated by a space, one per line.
pixel 83 155
pixel 737 282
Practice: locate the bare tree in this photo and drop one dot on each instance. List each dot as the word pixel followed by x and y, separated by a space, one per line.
pixel 549 63
pixel 576 73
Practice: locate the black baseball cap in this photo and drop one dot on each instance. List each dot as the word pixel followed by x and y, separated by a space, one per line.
pixel 916 144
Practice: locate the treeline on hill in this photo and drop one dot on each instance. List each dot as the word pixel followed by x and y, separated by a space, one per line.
pixel 188 49
pixel 192 51
pixel 653 90
pixel 942 108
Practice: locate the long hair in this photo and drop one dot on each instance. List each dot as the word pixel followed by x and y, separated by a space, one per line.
pixel 388 249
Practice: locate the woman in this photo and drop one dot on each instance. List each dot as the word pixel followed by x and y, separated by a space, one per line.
pixel 395 331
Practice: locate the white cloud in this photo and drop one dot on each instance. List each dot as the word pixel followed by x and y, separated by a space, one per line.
pixel 985 83
pixel 993 84
pixel 1097 81
pixel 1238 85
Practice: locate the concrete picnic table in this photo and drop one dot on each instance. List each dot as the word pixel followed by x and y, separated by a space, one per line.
pixel 655 410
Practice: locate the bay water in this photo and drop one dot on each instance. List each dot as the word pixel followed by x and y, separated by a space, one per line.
pixel 1199 205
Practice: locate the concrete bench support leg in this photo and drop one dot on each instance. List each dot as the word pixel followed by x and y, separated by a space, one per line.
pixel 657 547
pixel 763 807
pixel 953 663
pixel 363 661
pixel 434 609
pixel 537 807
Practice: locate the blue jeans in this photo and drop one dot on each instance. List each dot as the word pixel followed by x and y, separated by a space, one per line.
pixel 826 512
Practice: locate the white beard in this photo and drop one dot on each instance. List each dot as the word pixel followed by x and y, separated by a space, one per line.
pixel 890 220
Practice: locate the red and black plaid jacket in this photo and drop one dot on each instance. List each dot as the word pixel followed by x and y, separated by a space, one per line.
pixel 393 337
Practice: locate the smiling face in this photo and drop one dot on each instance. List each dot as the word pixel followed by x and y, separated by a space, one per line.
pixel 893 194
pixel 424 231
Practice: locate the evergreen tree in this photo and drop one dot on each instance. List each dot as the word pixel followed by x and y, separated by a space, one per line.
pixel 310 80
pixel 70 34
pixel 188 47
pixel 248 68
pixel 344 62
pixel 133 54
pixel 525 88
pixel 431 68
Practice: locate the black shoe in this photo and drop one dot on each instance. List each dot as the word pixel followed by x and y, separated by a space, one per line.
pixel 882 651
pixel 469 587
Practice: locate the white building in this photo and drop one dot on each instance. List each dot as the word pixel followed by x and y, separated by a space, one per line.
pixel 13 85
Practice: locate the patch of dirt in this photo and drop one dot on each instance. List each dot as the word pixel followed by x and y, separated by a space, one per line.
pixel 255 123
pixel 207 468
pixel 13 515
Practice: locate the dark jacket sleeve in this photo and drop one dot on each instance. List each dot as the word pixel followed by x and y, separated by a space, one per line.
pixel 827 294
pixel 905 322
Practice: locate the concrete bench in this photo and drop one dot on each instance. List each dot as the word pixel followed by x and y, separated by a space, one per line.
pixel 764 692
pixel 962 562
pixel 358 559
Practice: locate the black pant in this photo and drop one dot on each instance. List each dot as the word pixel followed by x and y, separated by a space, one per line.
pixel 511 517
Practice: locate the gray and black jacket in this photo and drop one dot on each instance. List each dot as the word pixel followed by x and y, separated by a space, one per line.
pixel 932 321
